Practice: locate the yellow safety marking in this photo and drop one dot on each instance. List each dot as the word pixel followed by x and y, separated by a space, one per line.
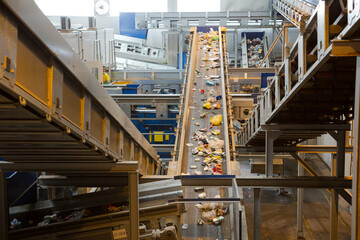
pixel 305 222
pixel 308 227
pixel 339 216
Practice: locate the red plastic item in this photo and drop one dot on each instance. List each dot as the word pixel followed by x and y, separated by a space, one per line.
pixel 202 91
pixel 217 168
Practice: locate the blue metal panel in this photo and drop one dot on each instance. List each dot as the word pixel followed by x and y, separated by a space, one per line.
pixel 252 35
pixel 165 154
pixel 183 58
pixel 264 77
pixel 131 89
pixel 148 126
pixel 17 182
pixel 206 29
pixel 254 96
pixel 127 26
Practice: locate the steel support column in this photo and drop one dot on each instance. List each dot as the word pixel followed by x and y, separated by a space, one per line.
pixel 4 211
pixel 300 203
pixel 256 211
pixel 172 5
pixel 340 153
pixel 337 169
pixel 134 205
pixel 236 39
pixel 180 61
pixel 355 216
pixel 285 41
pixel 269 154
pixel 270 137
pixel 334 211
pixel 334 204
pixel 274 28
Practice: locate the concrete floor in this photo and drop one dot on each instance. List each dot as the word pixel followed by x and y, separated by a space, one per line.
pixel 278 212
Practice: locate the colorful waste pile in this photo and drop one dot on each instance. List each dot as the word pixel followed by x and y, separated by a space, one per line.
pixel 255 50
pixel 211 212
pixel 206 143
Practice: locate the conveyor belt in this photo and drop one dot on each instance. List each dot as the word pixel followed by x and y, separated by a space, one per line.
pixel 199 70
pixel 52 109
pixel 153 207
pixel 99 227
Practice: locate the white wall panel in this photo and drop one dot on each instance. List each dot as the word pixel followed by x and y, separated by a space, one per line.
pixel 245 5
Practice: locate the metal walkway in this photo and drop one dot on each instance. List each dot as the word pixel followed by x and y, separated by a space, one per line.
pixel 295 11
pixel 52 108
pixel 313 93
pixel 228 19
pixel 54 115
pixel 313 86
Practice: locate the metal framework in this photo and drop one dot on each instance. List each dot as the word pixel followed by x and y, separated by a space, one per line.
pixel 313 88
pixel 48 95
pixel 138 51
pixel 227 103
pixel 311 94
pixel 288 182
pixel 295 11
pixel 303 79
pixel 109 223
pixel 148 192
pixel 170 99
pixel 293 148
pixel 56 117
pixel 161 76
pixel 355 217
pixel 184 106
pixel 229 19
pixel 152 208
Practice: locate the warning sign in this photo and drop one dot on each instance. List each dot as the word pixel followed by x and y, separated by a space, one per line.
pixel 119 234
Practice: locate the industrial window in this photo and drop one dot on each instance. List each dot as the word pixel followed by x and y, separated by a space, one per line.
pixel 117 6
pixel 66 7
pixel 86 7
pixel 198 6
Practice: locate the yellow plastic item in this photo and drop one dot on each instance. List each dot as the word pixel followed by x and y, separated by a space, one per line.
pixel 106 78
pixel 215 132
pixel 216 120
pixel 158 137
pixel 207 105
pixel 120 83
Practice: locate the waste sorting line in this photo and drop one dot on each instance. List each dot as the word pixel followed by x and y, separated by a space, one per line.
pixel 205 138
